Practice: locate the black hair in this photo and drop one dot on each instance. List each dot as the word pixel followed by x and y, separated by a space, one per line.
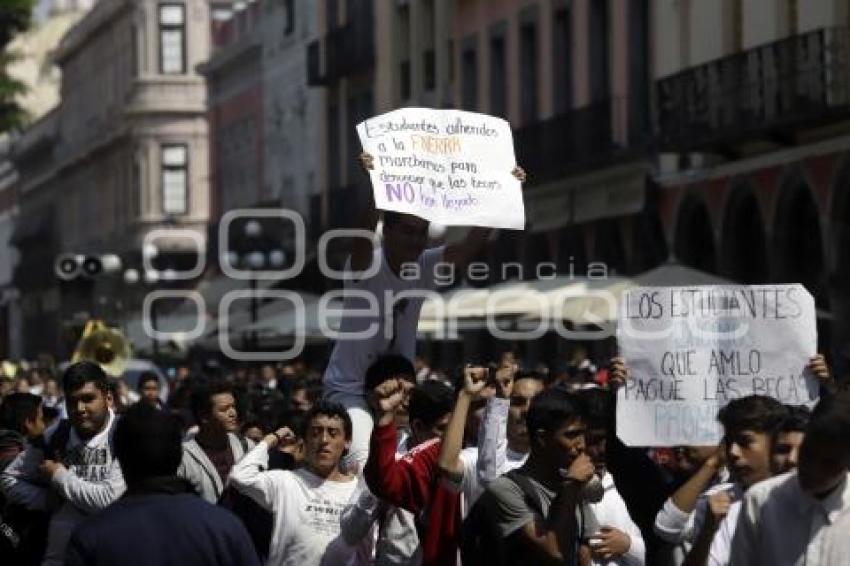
pixel 753 412
pixel 145 377
pixel 430 401
pixel 796 420
pixel 16 409
pixel 551 409
pixel 387 367
pixel 391 218
pixel 596 407
pixel 148 443
pixel 830 421
pixel 77 375
pixel 50 413
pixel 327 409
pixel 530 374
pixel 202 396
pixel 254 423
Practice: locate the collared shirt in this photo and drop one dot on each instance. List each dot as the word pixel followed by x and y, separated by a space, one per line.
pixel 611 511
pixel 781 525
pixel 721 544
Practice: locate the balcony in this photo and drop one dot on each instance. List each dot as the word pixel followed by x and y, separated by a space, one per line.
pixel 343 52
pixel 767 92
pixel 579 139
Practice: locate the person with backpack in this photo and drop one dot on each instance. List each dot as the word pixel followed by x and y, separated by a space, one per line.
pixel 79 466
pixel 217 446
pixel 531 514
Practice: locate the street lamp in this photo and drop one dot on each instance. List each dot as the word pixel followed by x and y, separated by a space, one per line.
pixel 257 254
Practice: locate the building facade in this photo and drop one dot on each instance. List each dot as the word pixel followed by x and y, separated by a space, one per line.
pixel 370 57
pixel 263 117
pixel 573 80
pixel 753 117
pixel 125 153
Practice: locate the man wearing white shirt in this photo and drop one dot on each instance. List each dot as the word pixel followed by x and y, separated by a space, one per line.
pixel 801 518
pixel 706 517
pixel 306 503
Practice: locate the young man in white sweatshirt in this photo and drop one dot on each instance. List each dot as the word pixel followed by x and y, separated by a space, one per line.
pixel 306 503
pixel 79 465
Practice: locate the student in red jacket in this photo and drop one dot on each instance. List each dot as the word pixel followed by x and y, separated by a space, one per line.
pixel 413 482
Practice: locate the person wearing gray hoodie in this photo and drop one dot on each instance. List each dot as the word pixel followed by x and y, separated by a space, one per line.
pixel 209 456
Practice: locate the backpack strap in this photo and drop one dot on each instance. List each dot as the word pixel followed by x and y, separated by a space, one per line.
pixel 532 496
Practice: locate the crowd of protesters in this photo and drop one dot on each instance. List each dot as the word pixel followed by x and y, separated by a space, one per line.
pixel 495 464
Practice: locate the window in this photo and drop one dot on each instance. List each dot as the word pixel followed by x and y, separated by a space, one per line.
pixel 469 75
pixel 562 60
pixel 172 39
pixel 737 25
pixel 289 7
pixel 334 147
pixel 528 71
pixel 404 45
pixel 599 61
pixel 175 174
pixel 135 190
pixel 331 15
pixel 429 40
pixel 792 13
pixel 498 77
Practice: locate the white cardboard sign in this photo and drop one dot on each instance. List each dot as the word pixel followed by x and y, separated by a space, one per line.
pixel 690 350
pixel 446 166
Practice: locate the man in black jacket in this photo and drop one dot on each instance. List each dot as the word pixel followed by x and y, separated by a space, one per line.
pixel 158 520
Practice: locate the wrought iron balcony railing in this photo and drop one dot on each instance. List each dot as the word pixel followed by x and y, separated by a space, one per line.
pixel 767 91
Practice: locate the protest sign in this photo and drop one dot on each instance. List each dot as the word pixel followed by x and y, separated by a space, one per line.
pixel 690 350
pixel 447 166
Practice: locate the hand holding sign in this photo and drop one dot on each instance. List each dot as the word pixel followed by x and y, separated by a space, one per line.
pixel 446 166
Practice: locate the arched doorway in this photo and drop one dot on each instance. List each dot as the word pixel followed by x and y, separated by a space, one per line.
pixel 798 245
pixel 649 246
pixel 694 239
pixel 744 243
pixel 608 246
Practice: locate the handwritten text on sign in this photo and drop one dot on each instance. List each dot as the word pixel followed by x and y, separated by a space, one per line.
pixel 692 349
pixel 447 166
